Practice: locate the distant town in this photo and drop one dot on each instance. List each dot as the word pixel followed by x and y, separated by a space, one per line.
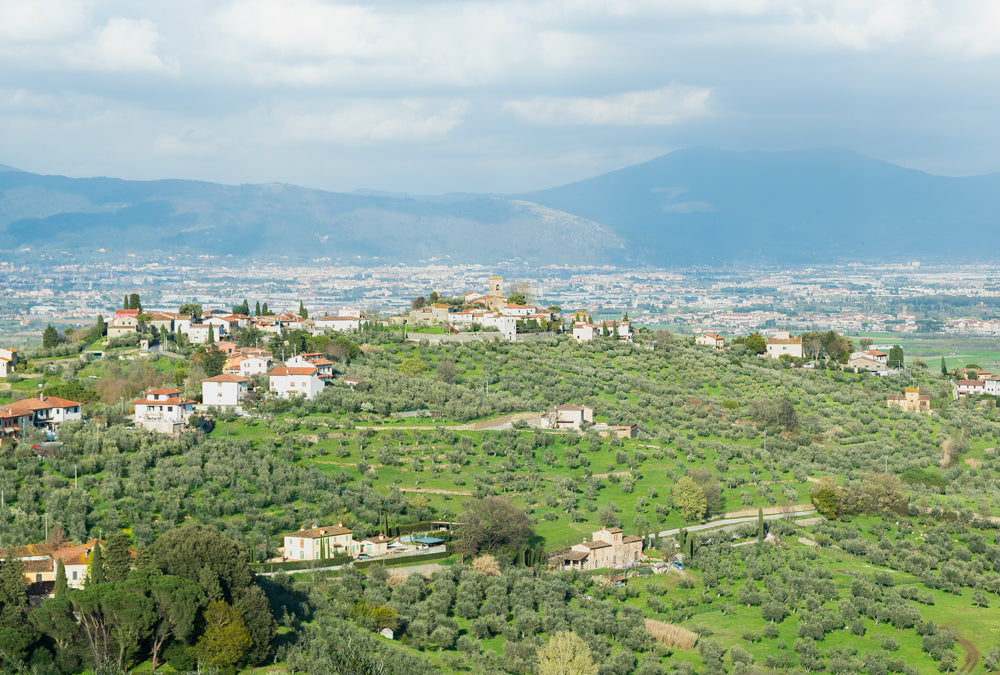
pixel 893 298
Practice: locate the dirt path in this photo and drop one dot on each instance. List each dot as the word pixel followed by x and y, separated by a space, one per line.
pixel 433 491
pixel 971 653
pixel 770 510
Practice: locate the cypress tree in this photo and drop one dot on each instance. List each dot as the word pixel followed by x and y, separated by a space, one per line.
pixel 96 573
pixel 760 524
pixel 211 333
pixel 61 585
pixel 101 328
pixel 256 311
pixel 118 560
pixel 302 310
pixel 944 368
pixel 125 306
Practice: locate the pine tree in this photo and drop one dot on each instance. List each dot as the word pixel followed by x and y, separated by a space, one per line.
pixel 50 337
pixel 133 302
pixel 96 573
pixel 61 585
pixel 13 592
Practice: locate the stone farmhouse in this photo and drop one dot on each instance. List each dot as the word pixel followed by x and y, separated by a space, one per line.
pixel 911 400
pixel 711 340
pixel 608 548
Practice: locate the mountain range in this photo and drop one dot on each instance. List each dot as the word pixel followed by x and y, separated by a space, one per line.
pixel 698 206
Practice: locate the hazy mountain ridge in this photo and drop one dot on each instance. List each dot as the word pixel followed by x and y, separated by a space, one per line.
pixel 691 206
pixel 705 205
pixel 285 220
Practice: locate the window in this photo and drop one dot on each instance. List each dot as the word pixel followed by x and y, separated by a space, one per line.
pixel 38 577
pixel 74 575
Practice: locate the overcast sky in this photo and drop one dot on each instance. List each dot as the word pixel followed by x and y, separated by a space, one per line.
pixel 501 96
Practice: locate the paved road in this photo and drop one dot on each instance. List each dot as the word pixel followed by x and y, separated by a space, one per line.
pixel 723 522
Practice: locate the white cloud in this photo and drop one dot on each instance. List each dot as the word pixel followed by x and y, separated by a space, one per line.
pixel 40 21
pixel 653 107
pixel 363 122
pixel 123 45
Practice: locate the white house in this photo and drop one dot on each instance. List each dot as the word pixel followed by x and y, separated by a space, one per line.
pixel 568 416
pixel 339 323
pixel 8 359
pixel 783 344
pixel 585 332
pixel 291 381
pixel 711 340
pixel 163 410
pixel 46 412
pixel 225 389
pixel 317 543
pixel 249 365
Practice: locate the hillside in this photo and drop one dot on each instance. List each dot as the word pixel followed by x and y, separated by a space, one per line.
pixel 264 221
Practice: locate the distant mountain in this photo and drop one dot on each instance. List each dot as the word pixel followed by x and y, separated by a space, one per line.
pixel 270 221
pixel 714 206
pixel 695 206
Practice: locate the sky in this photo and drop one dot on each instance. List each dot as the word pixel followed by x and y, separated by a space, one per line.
pixel 431 97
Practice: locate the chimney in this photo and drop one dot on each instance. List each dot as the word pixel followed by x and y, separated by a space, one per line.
pixel 302 529
pixel 340 524
pixel 314 526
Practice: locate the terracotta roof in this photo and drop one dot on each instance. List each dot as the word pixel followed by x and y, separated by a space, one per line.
pixel 173 400
pixel 283 371
pixel 317 532
pixel 596 544
pixel 875 352
pixel 226 378
pixel 576 555
pixel 163 392
pixel 75 555
pixel 972 383
pixel 35 566
pixel 613 530
pixel 630 538
pixel 784 341
pixel 26 405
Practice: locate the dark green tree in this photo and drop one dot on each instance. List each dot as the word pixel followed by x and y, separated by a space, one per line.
pixel 95 575
pixel 756 343
pixel 896 357
pixel 302 310
pixel 133 302
pixel 192 309
pixel 265 311
pixel 118 558
pixel 211 333
pixel 100 328
pixel 944 368
pixel 50 337
pixel 256 311
pixel 204 555
pixel 61 584
pixel 253 606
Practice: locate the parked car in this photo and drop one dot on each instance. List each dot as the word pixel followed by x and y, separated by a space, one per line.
pixel 364 556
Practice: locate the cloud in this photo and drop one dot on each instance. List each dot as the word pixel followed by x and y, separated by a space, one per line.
pixel 652 107
pixel 40 21
pixel 363 122
pixel 124 45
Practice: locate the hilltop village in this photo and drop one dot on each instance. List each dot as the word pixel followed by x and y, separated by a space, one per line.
pixel 478 479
